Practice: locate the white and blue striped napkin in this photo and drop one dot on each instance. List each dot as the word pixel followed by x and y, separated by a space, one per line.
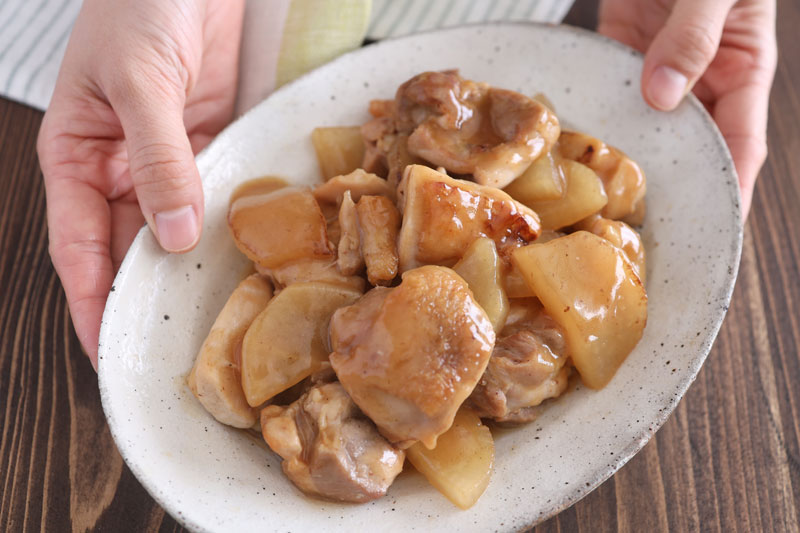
pixel 34 33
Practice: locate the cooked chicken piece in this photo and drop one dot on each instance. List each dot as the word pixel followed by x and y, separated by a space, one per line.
pixel 545 101
pixel 398 158
pixel 378 223
pixel 382 108
pixel 334 231
pixel 470 128
pixel 378 135
pixel 442 217
pixel 215 378
pixel 350 260
pixel 387 151
pixel 620 235
pixel 410 355
pixel 280 227
pixel 357 182
pixel 329 448
pixel 325 374
pixel 324 270
pixel 526 368
pixel 622 178
pixel 442 96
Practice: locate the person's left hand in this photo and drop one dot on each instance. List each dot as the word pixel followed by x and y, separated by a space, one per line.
pixel 723 50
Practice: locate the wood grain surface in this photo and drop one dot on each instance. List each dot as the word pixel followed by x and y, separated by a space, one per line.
pixel 728 459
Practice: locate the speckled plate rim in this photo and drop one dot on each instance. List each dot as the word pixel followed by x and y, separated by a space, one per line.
pixel 601 474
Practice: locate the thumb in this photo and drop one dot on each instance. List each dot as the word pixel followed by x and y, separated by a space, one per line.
pixel 162 167
pixel 682 50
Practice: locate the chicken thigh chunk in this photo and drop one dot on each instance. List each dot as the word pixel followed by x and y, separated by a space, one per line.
pixel 526 368
pixel 471 128
pixel 443 216
pixel 330 449
pixel 410 355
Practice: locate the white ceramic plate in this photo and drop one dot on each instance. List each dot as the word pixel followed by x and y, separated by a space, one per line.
pixel 213 478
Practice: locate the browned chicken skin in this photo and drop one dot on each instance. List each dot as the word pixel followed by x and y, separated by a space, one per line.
pixel 329 448
pixel 464 126
pixel 471 128
pixel 526 367
pixel 443 216
pixel 379 224
pixel 409 356
pixel 349 258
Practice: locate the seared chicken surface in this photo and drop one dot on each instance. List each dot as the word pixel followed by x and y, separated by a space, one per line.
pixel 349 260
pixel 526 367
pixel 442 217
pixel 465 126
pixel 410 355
pixel 329 448
pixel 378 224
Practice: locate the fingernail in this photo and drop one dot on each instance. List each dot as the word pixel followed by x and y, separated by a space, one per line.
pixel 177 228
pixel 667 88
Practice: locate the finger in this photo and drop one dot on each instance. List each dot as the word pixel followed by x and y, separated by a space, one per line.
pixel 742 118
pixel 79 248
pixel 682 50
pixel 162 165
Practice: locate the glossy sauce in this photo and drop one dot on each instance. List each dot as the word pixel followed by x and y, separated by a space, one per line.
pixel 256 186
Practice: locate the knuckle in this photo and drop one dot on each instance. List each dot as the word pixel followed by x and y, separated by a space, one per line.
pixel 156 168
pixel 80 252
pixel 694 45
pixel 141 81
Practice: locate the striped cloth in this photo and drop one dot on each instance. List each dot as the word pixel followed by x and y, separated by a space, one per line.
pixel 393 18
pixel 34 35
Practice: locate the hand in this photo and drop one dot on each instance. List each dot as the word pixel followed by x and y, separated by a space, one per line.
pixel 144 84
pixel 723 50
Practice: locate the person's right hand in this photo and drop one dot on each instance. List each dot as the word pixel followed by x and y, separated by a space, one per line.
pixel 724 51
pixel 144 85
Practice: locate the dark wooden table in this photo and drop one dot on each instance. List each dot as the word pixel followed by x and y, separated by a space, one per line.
pixel 728 459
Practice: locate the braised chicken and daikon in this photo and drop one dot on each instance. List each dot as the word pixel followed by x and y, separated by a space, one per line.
pixel 462 262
